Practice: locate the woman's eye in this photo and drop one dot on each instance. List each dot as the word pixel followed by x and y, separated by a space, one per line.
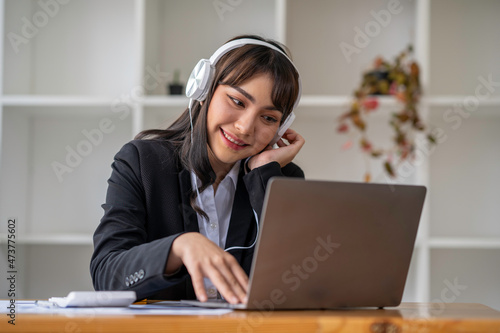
pixel 270 119
pixel 236 101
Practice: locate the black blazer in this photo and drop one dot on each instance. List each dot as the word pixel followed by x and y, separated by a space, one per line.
pixel 147 207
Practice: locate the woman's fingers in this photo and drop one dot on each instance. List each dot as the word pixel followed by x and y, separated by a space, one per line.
pixel 202 258
pixel 198 285
pixel 287 152
pixel 284 154
pixel 294 138
pixel 223 277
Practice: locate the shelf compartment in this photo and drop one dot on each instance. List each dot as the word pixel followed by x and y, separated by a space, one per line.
pixel 160 117
pixel 167 51
pixel 460 51
pixel 323 156
pixel 47 271
pixel 318 31
pixel 85 47
pixel 55 166
pixel 465 275
pixel 465 185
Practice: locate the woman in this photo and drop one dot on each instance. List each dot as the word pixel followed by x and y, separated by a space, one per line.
pixel 178 197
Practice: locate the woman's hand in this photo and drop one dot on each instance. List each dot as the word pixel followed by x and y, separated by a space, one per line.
pixel 203 258
pixel 283 155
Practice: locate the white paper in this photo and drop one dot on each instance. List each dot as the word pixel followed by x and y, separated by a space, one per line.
pixel 161 308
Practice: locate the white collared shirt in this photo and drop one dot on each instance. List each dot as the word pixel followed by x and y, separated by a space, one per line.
pixel 218 207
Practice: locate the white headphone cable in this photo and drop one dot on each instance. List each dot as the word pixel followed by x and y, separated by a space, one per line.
pixel 198 197
pixel 255 240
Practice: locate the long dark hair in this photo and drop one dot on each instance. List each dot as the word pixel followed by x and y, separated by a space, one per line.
pixel 234 68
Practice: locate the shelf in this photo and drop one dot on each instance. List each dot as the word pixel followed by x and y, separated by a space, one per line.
pixel 451 100
pixel 305 101
pixel 54 100
pixel 343 100
pixel 325 100
pixel 464 243
pixel 389 101
pixel 159 100
pixel 117 113
pixel 50 239
pixel 181 100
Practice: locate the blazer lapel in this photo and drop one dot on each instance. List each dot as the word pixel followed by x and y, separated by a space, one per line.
pixel 188 214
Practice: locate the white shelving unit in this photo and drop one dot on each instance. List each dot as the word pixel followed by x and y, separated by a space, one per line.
pixel 94 74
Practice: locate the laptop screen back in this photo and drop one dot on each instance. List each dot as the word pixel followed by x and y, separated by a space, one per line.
pixel 326 244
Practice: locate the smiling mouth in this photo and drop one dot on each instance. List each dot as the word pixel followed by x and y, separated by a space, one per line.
pixel 232 140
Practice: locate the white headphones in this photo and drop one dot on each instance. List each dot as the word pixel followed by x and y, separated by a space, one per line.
pixel 201 77
pixel 199 84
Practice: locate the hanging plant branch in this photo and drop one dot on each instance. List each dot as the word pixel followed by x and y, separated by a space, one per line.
pixel 401 80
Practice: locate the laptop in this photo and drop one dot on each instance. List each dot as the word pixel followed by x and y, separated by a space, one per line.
pixel 328 244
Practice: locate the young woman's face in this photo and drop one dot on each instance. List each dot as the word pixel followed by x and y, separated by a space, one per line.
pixel 241 120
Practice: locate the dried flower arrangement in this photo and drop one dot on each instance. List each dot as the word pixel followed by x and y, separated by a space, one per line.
pixel 401 80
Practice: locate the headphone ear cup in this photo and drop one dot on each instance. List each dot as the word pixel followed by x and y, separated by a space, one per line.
pixel 282 129
pixel 199 80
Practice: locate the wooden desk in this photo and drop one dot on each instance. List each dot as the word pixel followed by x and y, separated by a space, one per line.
pixel 409 317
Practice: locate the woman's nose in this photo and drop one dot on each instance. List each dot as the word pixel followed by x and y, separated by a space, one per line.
pixel 245 124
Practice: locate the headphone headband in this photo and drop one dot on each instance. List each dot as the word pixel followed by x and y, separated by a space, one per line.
pixel 234 44
pixel 199 81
